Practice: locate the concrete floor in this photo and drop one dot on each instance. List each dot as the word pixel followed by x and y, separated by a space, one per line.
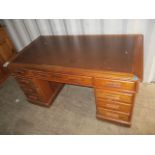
pixel 73 112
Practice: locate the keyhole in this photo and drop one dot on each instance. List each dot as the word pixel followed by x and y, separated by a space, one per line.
pixel 126 52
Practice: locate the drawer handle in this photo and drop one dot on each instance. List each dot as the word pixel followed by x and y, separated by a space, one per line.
pixel 56 76
pixel 41 74
pixel 112 115
pixel 23 85
pixel 28 89
pixel 66 78
pixel 24 81
pixel 111 96
pixel 32 97
pixel 112 106
pixel 110 84
pixel 20 72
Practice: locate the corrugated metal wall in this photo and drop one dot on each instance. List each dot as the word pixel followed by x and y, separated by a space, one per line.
pixel 24 31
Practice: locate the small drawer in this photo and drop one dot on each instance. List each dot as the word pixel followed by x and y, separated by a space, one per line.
pixel 109 114
pixel 26 84
pixel 32 97
pixel 109 83
pixel 20 72
pixel 118 106
pixel 114 96
pixel 31 94
pixel 23 81
pixel 28 89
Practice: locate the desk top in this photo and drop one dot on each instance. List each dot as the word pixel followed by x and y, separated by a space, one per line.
pixel 117 53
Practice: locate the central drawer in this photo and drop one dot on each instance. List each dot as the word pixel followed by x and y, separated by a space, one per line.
pixel 64 78
pixel 115 95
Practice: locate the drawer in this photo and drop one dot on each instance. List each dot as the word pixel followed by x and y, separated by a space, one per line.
pixel 24 80
pixel 114 96
pixel 27 85
pixel 21 72
pixel 123 85
pixel 31 93
pixel 64 78
pixel 28 89
pixel 109 114
pixel 32 97
pixel 114 105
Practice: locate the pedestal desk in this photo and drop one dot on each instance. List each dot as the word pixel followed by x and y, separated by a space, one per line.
pixel 111 64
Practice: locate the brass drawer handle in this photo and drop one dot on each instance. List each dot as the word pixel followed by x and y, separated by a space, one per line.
pixel 111 96
pixel 20 71
pixel 113 106
pixel 28 90
pixel 56 76
pixel 112 115
pixel 24 81
pixel 32 97
pixel 110 84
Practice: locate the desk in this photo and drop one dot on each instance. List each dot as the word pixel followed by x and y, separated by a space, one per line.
pixel 111 64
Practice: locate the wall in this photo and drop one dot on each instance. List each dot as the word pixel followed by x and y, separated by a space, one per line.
pixel 24 31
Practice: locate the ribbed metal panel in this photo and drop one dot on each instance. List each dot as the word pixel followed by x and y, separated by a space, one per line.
pixel 24 31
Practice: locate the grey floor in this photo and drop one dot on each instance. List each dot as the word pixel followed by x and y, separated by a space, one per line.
pixel 73 112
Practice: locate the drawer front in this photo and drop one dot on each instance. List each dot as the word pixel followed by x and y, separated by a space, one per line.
pixel 114 96
pixel 24 81
pixel 123 85
pixel 21 72
pixel 28 89
pixel 112 115
pixel 32 94
pixel 118 106
pixel 33 97
pixel 64 78
pixel 27 86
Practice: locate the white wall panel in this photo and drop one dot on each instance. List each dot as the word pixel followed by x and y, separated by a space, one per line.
pixel 24 31
pixel 58 26
pixel 113 26
pixel 21 31
pixel 137 26
pixel 92 26
pixel 140 26
pixel 31 28
pixel 44 26
pixel 73 26
pixel 13 34
pixel 150 55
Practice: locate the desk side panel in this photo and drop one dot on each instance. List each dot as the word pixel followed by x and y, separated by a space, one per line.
pixel 138 58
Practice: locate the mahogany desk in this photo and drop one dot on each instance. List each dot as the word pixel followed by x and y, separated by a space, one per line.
pixel 111 64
